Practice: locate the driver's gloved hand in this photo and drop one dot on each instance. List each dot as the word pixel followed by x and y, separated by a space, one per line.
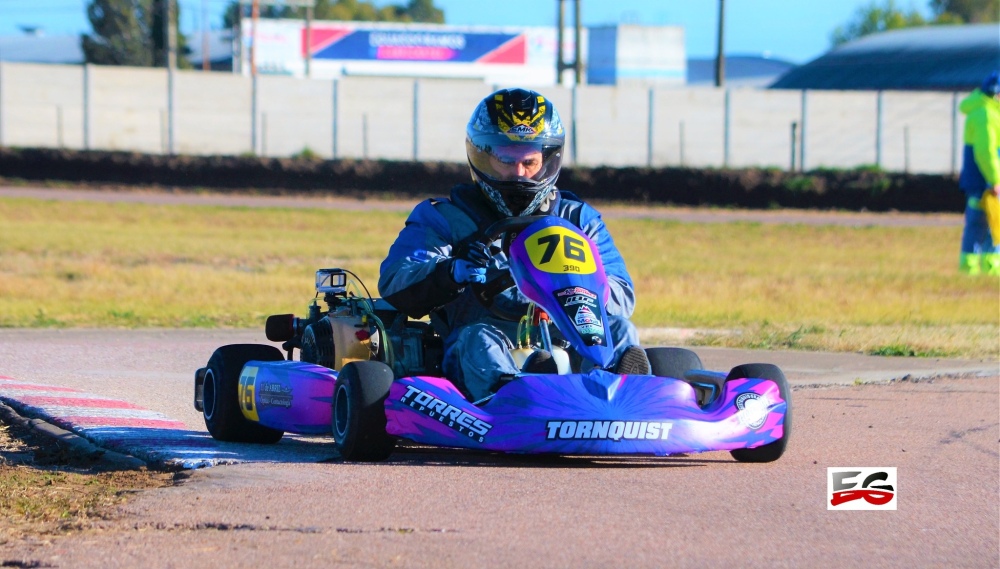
pixel 465 272
pixel 471 266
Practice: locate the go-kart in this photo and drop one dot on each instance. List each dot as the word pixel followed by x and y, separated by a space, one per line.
pixel 369 375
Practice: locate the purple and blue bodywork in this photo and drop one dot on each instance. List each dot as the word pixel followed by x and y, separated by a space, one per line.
pixel 593 413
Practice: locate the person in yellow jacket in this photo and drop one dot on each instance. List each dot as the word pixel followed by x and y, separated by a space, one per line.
pixel 980 179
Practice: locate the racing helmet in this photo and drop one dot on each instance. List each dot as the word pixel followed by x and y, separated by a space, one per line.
pixel 991 85
pixel 514 142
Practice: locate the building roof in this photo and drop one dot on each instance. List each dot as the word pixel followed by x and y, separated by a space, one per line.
pixel 740 70
pixel 933 58
pixel 41 48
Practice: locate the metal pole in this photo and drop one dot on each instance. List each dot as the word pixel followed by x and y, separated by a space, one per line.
pixel 906 149
pixel 336 104
pixel 364 136
pixel 253 114
pixel 561 22
pixel 578 63
pixel 171 90
pixel 59 127
pixel 802 137
pixel 1 106
pixel 87 143
pixel 649 129
pixel 682 143
pixel 795 125
pixel 573 144
pixel 879 116
pixel 726 126
pixel 720 55
pixel 416 119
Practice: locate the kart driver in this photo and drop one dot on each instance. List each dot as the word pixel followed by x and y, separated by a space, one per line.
pixel 514 143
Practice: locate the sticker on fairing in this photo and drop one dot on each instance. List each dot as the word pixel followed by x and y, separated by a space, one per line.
pixel 248 384
pixel 580 305
pixel 557 249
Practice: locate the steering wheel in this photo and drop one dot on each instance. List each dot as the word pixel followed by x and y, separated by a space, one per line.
pixel 486 293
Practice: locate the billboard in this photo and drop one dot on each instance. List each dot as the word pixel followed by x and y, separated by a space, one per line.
pixel 498 55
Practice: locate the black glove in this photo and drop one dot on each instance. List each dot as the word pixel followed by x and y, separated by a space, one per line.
pixel 470 264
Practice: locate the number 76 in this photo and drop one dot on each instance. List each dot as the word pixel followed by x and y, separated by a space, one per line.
pixel 573 248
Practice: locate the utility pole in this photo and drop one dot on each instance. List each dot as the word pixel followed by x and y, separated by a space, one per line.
pixel 578 64
pixel 170 27
pixel 720 56
pixel 254 16
pixel 561 65
pixel 308 42
pixel 561 22
pixel 205 60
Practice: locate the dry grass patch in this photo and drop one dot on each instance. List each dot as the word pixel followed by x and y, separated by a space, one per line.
pixel 45 493
pixel 873 289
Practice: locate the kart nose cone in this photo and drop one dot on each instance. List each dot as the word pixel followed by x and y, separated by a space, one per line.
pixel 602 384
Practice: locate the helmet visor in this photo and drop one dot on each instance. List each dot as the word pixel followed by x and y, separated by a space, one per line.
pixel 500 159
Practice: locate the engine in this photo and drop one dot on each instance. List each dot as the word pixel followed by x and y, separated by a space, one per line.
pixel 353 328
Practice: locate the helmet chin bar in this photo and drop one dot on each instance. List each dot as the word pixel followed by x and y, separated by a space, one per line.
pixel 499 192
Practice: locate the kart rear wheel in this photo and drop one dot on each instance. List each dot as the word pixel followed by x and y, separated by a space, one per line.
pixel 771 451
pixel 359 411
pixel 223 417
pixel 672 362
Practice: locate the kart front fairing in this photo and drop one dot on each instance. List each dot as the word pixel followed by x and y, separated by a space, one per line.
pixel 597 413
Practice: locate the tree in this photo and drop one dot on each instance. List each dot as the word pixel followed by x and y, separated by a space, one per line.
pixel 129 32
pixel 121 33
pixel 965 11
pixel 876 17
pixel 348 10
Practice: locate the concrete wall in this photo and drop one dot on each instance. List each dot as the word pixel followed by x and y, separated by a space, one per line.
pixel 147 110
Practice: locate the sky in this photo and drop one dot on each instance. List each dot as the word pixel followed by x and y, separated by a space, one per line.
pixel 793 30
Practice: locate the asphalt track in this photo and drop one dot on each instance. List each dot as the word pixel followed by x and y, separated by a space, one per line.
pixel 297 505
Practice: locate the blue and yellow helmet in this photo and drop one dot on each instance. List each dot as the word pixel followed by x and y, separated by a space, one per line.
pixel 505 127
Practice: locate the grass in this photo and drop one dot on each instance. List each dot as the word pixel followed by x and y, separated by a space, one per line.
pixel 879 290
pixel 44 492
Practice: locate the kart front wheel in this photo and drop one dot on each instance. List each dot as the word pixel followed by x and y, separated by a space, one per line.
pixel 359 411
pixel 771 451
pixel 223 417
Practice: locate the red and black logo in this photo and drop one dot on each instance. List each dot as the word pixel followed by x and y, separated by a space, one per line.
pixel 873 486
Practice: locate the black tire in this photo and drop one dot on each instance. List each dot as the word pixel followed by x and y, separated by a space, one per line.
pixel 771 451
pixel 672 362
pixel 359 412
pixel 222 412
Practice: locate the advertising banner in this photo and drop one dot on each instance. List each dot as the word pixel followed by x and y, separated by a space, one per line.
pixel 524 55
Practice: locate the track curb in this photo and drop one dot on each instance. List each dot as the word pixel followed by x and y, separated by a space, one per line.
pixel 76 446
